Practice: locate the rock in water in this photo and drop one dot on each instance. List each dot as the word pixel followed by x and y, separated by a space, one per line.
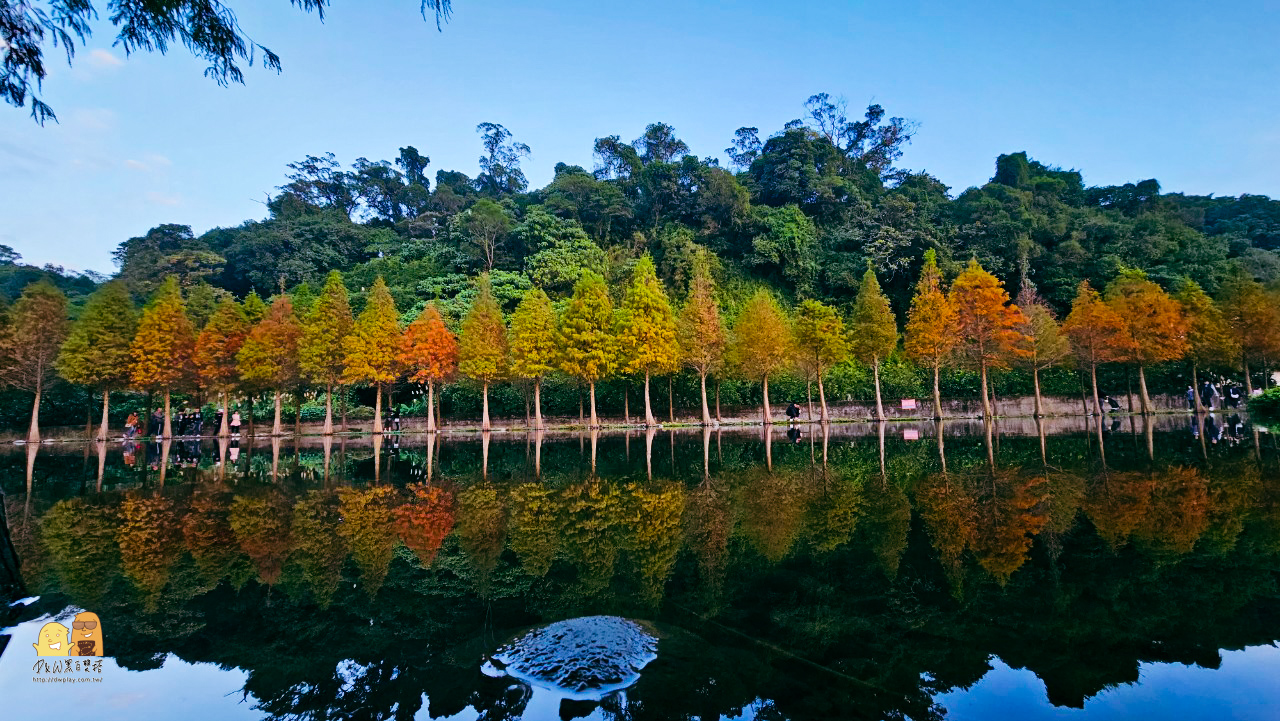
pixel 582 658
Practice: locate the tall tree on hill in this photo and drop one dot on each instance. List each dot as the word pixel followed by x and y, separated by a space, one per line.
pixel 373 347
pixel 1209 337
pixel 533 344
pixel 820 342
pixel 215 354
pixel 986 323
pixel 1156 327
pixel 97 352
pixel 429 354
pixel 647 336
pixel 1042 344
pixel 932 325
pixel 873 332
pixel 763 343
pixel 254 308
pixel 37 327
pixel 482 345
pixel 269 356
pixel 1096 332
pixel 701 332
pixel 322 349
pixel 163 347
pixel 587 346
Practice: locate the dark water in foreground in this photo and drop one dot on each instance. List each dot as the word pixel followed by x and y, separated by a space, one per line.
pixel 1126 573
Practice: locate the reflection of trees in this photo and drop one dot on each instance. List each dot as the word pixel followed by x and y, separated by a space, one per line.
pixel 80 539
pixel 425 520
pixel 481 527
pixel 206 531
pixel 150 539
pixel 366 528
pixel 1178 515
pixel 316 548
pixel 833 514
pixel 708 524
pixel 652 525
pixel 886 520
pixel 1011 511
pixel 1116 503
pixel 536 526
pixel 592 513
pixel 261 527
pixel 950 517
pixel 773 510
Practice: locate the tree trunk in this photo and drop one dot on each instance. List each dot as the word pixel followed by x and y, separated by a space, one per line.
pixel 822 398
pixel 431 407
pixel 537 403
pixel 937 394
pixel 718 399
pixel 706 411
pixel 168 421
pixel 297 414
pixel 102 429
pixel 328 410
pixel 1195 389
pixel 377 410
pixel 527 414
pixel 626 402
pixel 344 409
pixel 1248 382
pixel 808 396
pixel 649 420
pixel 224 428
pixel 1142 390
pixel 1093 378
pixel 1035 379
pixel 147 430
pixel 275 424
pixel 595 422
pixel 33 433
pixel 875 368
pixel 581 419
pixel 767 419
pixel 251 399
pixel 484 415
pixel 671 398
pixel 986 400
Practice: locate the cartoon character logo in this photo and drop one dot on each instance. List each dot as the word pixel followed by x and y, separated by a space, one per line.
pixel 52 640
pixel 86 635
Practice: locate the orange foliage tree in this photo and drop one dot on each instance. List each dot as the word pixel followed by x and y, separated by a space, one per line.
pixel 762 343
pixel 215 353
pixel 986 323
pixel 701 333
pixel 931 325
pixel 269 356
pixel 429 354
pixel 1096 333
pixel 373 347
pixel 425 520
pixel 163 347
pixel 1156 329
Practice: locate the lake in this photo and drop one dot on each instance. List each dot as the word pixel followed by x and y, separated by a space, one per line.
pixel 1055 570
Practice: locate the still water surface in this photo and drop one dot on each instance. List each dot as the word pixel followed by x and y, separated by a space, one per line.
pixel 1020 571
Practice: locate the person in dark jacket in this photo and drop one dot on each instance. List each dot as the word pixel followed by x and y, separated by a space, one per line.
pixel 793 412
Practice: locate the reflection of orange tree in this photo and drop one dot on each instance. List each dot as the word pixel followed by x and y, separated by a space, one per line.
pixel 950 517
pixel 707 526
pixel 315 547
pixel 773 506
pixel 886 519
pixel 208 536
pixel 366 527
pixel 261 527
pixel 1179 513
pixel 150 542
pixel 652 526
pixel 81 541
pixel 592 513
pixel 1116 504
pixel 535 527
pixel 834 513
pixel 424 520
pixel 1010 513
pixel 481 528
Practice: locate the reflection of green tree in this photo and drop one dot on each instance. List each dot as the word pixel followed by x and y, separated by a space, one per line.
pixel 708 525
pixel 424 520
pixel 950 517
pixel 1179 514
pixel 1066 494
pixel 773 509
pixel 652 527
pixel 1116 503
pixel 261 527
pixel 536 526
pixel 206 529
pixel 1233 492
pixel 833 516
pixel 366 528
pixel 886 520
pixel 316 547
pixel 80 539
pixel 592 514
pixel 150 540
pixel 482 524
pixel 1011 511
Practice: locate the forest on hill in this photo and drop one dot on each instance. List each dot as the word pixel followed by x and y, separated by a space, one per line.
pixel 801 213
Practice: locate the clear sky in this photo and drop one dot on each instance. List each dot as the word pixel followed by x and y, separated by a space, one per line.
pixel 1186 92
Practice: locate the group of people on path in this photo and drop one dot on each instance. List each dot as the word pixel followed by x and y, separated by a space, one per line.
pixel 1214 396
pixel 185 424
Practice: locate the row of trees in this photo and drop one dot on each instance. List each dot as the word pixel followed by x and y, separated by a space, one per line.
pixel 248 348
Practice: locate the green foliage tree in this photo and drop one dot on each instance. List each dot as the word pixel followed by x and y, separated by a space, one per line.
pixel 36 328
pixel 1042 344
pixel 322 347
pixel 372 350
pixel 647 335
pixel 533 344
pixel 873 331
pixel 482 345
pixel 820 343
pixel 97 351
pixel 588 350
pixel 763 343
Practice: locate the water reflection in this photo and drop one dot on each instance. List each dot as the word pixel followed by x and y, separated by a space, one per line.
pixel 841 572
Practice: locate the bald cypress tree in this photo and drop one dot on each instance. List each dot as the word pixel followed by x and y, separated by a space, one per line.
pixel 587 346
pixel 482 345
pixel 873 331
pixel 322 349
pixel 97 352
pixel 647 336
pixel 163 347
pixel 373 347
pixel 269 356
pixel 36 329
pixel 215 353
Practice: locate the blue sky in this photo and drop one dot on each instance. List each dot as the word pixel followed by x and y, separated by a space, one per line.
pixel 1185 92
